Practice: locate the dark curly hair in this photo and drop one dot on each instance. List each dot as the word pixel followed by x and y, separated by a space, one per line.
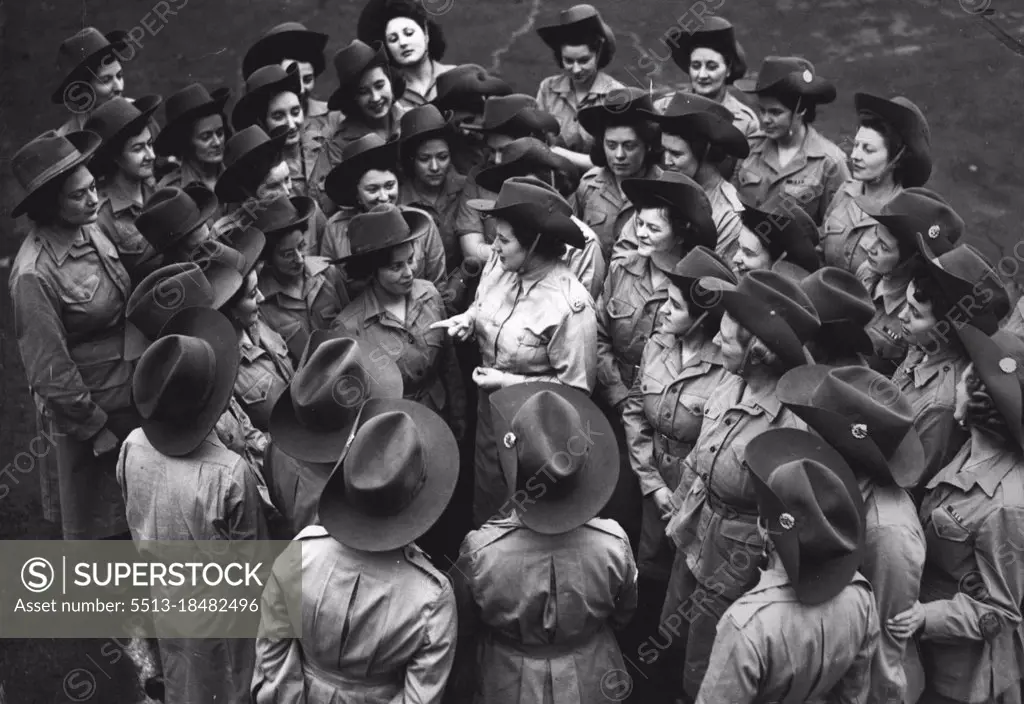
pixel 790 101
pixel 927 290
pixel 647 131
pixel 180 144
pixel 346 102
pixel 981 411
pixel 363 268
pixel 409 151
pixel 547 247
pixel 436 44
pixel 894 144
pixel 42 207
pixel 104 165
pixel 704 152
pixel 692 297
pixel 592 40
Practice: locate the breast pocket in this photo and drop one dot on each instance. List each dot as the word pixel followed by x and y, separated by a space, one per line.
pixel 621 310
pixel 806 194
pixel 254 385
pixel 127 238
pixel 951 546
pixel 596 218
pixel 531 348
pixel 80 293
pixel 749 178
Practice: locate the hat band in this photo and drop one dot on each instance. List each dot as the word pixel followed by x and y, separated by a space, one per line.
pixel 53 170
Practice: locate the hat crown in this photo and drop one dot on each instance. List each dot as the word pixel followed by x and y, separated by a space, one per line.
pixel 33 162
pixel 385 468
pixel 351 61
pixel 532 192
pixel 777 68
pixel 188 98
pixel 183 369
pixel 79 47
pixel 164 292
pixel 111 117
pixel 361 145
pixel 976 275
pixel 784 298
pixel 243 142
pixel 702 261
pixel 277 213
pixel 423 118
pixel 866 397
pixel 371 231
pixel 330 383
pixel 920 211
pixel 541 428
pixel 470 82
pixel 576 13
pixel 169 210
pixel 827 519
pixel 683 103
pixel 501 108
pixel 265 76
pixel 838 295
pixel 285 27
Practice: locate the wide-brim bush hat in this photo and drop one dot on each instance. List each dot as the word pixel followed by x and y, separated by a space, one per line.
pixel 81 50
pixel 532 204
pixel 717 34
pixel 120 118
pixel 672 189
pixel 357 157
pixel 260 88
pixel 843 305
pixel 526 156
pixel 792 76
pixel 575 26
pixel 181 111
pixel 288 40
pixel 48 157
pixel 248 151
pixel 910 124
pixel 998 361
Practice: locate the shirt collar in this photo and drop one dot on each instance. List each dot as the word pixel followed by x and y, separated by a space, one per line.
pixel 985 463
pixel 762 394
pixel 892 291
pixel 270 286
pixel 930 364
pixel 58 242
pixel 316 108
pixel 120 200
pixel 603 84
pixel 532 277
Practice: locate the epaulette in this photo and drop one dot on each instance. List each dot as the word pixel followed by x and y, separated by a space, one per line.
pixel 311 532
pixel 490 532
pixel 575 295
pixel 418 558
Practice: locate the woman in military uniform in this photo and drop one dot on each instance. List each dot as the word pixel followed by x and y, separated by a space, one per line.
pixel 195 133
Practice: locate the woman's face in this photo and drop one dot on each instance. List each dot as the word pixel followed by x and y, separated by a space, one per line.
pixel 306 74
pixel 918 319
pixel 625 151
pixel 511 253
pixel 107 81
pixel 751 255
pixel 374 96
pixel 708 70
pixel 396 278
pixel 580 63
pixel 208 139
pixel 496 144
pixel 675 313
pixel 278 182
pixel 245 312
pixel 883 253
pixel 288 258
pixel 962 395
pixel 406 41
pixel 776 119
pixel 285 110
pixel 869 158
pixel 377 188
pixel 433 159
pixel 732 339
pixel 137 157
pixel 653 231
pixel 677 155
pixel 78 203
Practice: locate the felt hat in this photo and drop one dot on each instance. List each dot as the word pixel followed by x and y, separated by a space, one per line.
pixel 999 363
pixel 352 62
pixel 288 40
pixel 47 157
pixel 249 242
pixel 81 50
pixel 249 151
pixel 623 105
pixel 911 212
pixel 578 25
pixel 555 444
pixel 843 305
pixel 181 111
pixel 789 75
pixel 530 203
pixel 172 213
pixel 282 215
pixel 784 228
pixel 260 88
pixel 910 124
pixel 357 157
pixel 717 34
pixel 464 88
pixel 965 276
pixel 120 117
pixel 526 156
pixel 694 117
pixel 515 115
pixel 686 273
pixel 681 193
pixel 384 227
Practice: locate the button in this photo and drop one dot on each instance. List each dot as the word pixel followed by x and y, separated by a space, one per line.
pixel 946 368
pixel 729 421
pixel 666 414
pixel 713 449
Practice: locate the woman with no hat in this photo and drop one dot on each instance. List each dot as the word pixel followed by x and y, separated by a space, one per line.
pixel 520 641
pixel 807 631
pixel 123 166
pixel 367 95
pixel 627 145
pixel 968 619
pixel 844 307
pixel 396 471
pixel 697 138
pixel 195 131
pixel 532 319
pixel 713 60
pixel 794 159
pixel 583 45
pixel 866 419
pixel 301 292
pixel 293 44
pixel 368 176
pixel 68 289
pixel 415 45
pixel 893 257
pixel 780 236
pixel 180 482
pixel 891 151
pixel 767 321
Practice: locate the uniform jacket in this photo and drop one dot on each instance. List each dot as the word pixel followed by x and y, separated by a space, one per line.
pixel 557 96
pixel 377 628
pixel 587 264
pixel 973 584
pixel 117 218
pixel 300 168
pixel 443 209
pixel 885 329
pixel 844 227
pixel 601 204
pixel 294 487
pixel 264 372
pixel 812 176
pixel 323 297
pixel 772 648
pixel 319 127
pixel 536 612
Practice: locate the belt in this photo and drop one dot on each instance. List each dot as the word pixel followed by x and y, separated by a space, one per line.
pixel 727 510
pixel 344 683
pixel 544 651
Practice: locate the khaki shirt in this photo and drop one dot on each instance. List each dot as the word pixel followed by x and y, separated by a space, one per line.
pixel 743 116
pixel 929 383
pixel 521 641
pixel 319 127
pixel 886 329
pixel 811 177
pixel 557 97
pixel 845 227
pixel 443 209
pixel 376 627
pixel 264 372
pixel 665 407
pixel 973 584
pixel 540 324
pixel 469 221
pixel 295 487
pixel 323 297
pixel 117 218
pixel 587 264
pixel 764 630
pixel 601 204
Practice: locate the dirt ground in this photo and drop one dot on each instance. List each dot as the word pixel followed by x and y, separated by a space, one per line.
pixel 938 53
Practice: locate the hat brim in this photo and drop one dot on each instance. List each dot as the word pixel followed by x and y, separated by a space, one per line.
pixel 115 38
pixel 169 137
pixel 986 355
pixel 304 209
pixel 250 242
pixel 908 463
pixel 530 164
pixel 706 127
pixel 384 381
pixel 86 143
pixel 350 524
pixel 176 439
pixel 721 40
pixel 547 514
pixel 419 225
pixel 146 105
pixel 655 193
pixel 594 119
pixel 797 243
pixel 818 90
pixel 556 225
pixel 380 60
pixel 246 112
pixel 756 317
pixel 206 207
pixel 135 342
pixel 817 581
pixel 299 45
pixel 558 35
pixel 955 288
pixel 261 157
pixel 913 130
pixel 340 180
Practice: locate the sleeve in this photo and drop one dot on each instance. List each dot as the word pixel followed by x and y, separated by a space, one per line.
pixel 327 159
pixel 243 507
pixel 51 373
pixel 640 434
pixel 542 94
pixel 463 680
pixel 730 226
pixel 316 230
pixel 277 676
pixel 836 174
pixel 426 675
pixel 588 266
pixel 1000 556
pixel 454 387
pixel 578 202
pixel 628 596
pixel 941 436
pixel 328 247
pixel 894 567
pixel 735 668
pixel 433 256
pixel 610 387
pixel 855 684
pixel 571 350
pixel 467 220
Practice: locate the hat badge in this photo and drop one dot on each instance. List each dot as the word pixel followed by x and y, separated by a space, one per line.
pixel 807 76
pixel 509 440
pixel 933 231
pixel 1008 365
pixel 859 431
pixel 787 521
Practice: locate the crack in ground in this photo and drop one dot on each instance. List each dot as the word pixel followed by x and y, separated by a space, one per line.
pixel 523 29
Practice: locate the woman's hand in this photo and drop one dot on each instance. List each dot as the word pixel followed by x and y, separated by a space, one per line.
pixel 663 500
pixel 104 442
pixel 904 625
pixel 491 379
pixel 458 326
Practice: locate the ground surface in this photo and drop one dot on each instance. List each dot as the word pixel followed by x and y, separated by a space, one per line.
pixel 937 53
